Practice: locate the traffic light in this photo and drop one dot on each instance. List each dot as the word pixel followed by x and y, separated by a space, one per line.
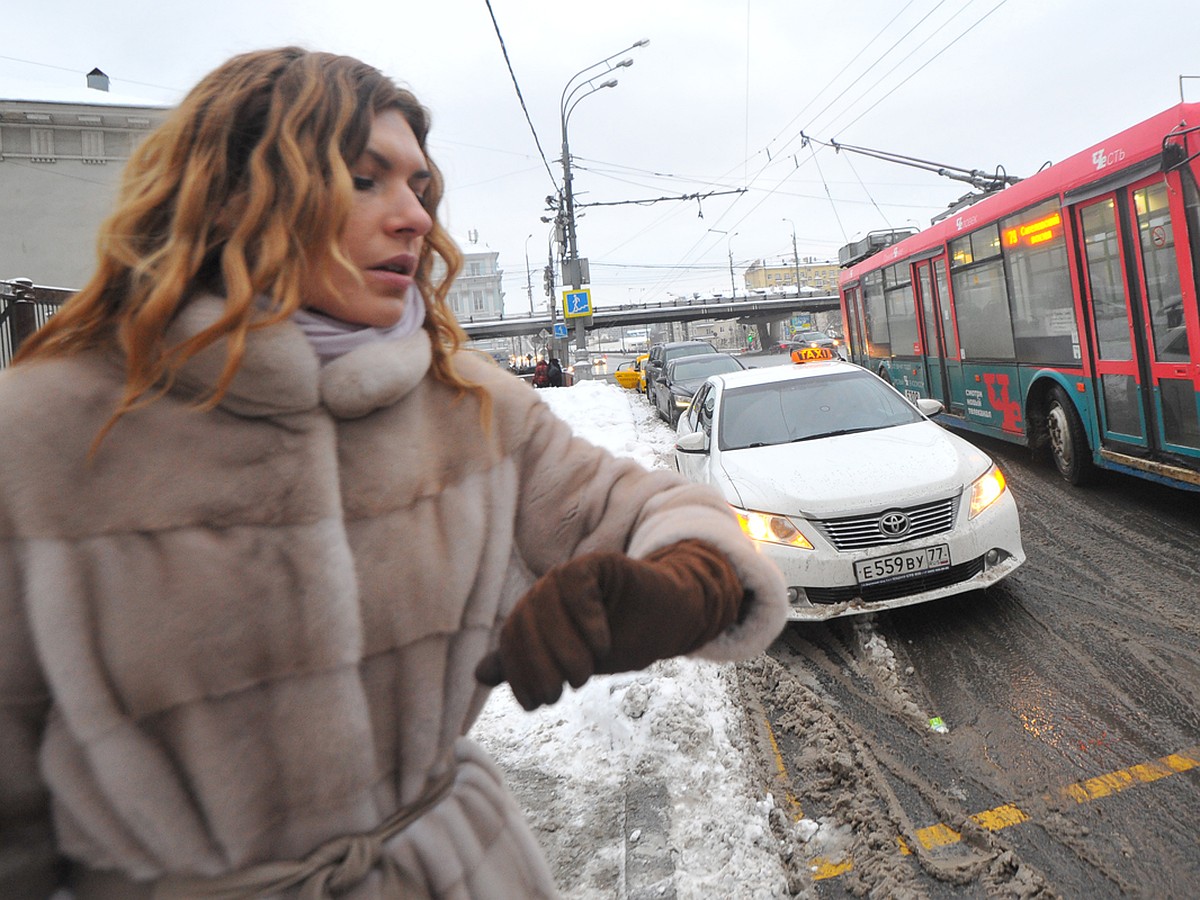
pixel 548 280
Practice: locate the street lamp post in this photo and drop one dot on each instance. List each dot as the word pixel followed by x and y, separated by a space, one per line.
pixel 528 276
pixel 795 254
pixel 571 97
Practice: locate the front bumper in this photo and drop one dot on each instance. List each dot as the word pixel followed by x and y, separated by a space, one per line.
pixel 822 583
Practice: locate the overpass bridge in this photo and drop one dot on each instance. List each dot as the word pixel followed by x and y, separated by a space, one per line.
pixel 754 309
pixel 24 306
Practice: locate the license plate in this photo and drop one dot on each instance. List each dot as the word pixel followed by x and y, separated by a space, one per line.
pixel 901 565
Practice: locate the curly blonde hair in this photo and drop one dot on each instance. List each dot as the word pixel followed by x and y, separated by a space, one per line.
pixel 243 191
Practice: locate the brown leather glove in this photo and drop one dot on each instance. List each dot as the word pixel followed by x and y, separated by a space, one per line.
pixel 607 612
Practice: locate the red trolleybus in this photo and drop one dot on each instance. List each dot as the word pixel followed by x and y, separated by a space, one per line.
pixel 1061 312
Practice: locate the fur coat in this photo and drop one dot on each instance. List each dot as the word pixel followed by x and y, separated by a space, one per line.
pixel 232 635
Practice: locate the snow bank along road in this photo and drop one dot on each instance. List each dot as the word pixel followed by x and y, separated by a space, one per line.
pixel 1040 739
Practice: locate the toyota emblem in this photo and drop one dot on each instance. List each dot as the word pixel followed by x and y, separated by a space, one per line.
pixel 893 524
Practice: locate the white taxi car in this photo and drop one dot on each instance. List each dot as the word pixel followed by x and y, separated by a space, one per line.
pixel 862 501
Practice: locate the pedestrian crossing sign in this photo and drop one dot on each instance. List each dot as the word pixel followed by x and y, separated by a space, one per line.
pixel 577 302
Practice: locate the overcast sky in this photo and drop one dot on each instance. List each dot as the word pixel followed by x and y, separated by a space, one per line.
pixel 715 103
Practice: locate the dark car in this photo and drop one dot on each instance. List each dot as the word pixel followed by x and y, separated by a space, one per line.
pixel 663 353
pixel 810 339
pixel 679 380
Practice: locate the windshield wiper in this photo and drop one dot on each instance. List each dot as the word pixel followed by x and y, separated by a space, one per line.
pixel 826 434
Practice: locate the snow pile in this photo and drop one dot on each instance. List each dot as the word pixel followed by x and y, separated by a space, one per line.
pixel 668 736
pixel 642 782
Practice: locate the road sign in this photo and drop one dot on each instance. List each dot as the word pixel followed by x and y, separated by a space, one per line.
pixel 560 329
pixel 577 303
pixel 543 334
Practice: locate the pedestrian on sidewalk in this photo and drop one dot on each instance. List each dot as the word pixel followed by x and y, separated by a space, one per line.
pixel 541 374
pixel 269 535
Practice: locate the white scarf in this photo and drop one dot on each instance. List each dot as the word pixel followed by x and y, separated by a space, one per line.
pixel 331 337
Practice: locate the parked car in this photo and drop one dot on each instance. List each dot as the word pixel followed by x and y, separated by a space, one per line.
pixel 680 377
pixel 663 352
pixel 632 375
pixel 863 501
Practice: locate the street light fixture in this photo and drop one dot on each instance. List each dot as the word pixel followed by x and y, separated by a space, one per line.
pixel 567 103
pixel 795 254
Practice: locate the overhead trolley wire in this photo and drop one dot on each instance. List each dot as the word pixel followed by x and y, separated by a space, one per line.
pixel 922 66
pixel 520 96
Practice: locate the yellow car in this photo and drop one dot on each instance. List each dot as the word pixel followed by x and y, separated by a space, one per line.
pixel 632 375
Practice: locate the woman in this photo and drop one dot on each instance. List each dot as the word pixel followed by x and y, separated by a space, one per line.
pixel 273 536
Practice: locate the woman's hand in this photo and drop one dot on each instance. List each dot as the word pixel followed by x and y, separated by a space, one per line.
pixel 607 612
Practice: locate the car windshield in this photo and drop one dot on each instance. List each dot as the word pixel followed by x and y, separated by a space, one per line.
pixel 703 366
pixel 802 409
pixel 677 352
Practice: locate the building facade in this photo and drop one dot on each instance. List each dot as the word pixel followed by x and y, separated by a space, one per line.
pixel 820 276
pixel 476 293
pixel 61 155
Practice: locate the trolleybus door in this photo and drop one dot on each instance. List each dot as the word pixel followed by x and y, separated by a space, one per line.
pixel 853 327
pixel 942 366
pixel 1143 356
pixel 1169 327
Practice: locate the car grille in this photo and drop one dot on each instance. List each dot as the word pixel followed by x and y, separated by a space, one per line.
pixel 916 584
pixel 860 532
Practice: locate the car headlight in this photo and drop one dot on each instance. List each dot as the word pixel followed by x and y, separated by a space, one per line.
pixel 986 490
pixel 771 529
pixel 682 401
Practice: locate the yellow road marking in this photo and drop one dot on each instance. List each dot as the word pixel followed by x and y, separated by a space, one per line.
pixel 823 868
pixel 1144 773
pixel 792 800
pixel 1009 814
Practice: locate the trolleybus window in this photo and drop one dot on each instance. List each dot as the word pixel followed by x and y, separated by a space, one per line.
pixel 878 338
pixel 1162 273
pixel 948 333
pixel 1106 279
pixel 1039 285
pixel 981 302
pixel 901 310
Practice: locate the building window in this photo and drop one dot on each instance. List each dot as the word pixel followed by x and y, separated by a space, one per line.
pixel 477 298
pixel 93 145
pixel 42 145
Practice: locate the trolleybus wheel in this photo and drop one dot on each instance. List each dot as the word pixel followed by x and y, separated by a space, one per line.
pixel 1068 441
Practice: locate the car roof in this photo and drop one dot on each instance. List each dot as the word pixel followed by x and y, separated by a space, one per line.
pixel 786 372
pixel 706 356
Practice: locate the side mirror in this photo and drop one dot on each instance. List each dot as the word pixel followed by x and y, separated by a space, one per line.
pixel 929 407
pixel 695 442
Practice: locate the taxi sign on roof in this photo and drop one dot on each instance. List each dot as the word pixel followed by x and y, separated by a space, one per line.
pixel 811 354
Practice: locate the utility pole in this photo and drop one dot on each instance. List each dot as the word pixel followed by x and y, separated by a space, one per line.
pixel 729 248
pixel 732 284
pixel 528 277
pixel 795 254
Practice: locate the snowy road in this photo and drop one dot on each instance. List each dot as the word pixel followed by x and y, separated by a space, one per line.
pixel 1069 695
pixel 1067 762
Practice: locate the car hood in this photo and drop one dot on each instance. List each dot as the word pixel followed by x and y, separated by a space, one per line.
pixel 687 386
pixel 853 473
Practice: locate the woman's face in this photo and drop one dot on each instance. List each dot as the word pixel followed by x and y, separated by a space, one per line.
pixel 382 236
